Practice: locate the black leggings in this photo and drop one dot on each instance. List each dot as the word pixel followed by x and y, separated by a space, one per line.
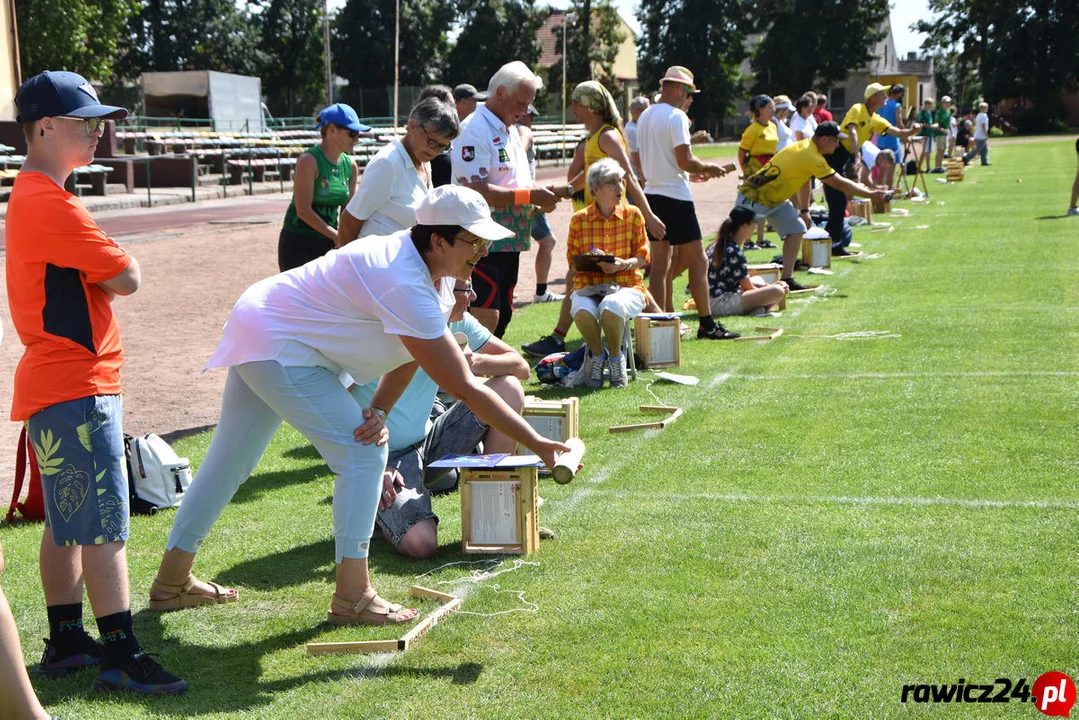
pixel 294 250
pixel 836 199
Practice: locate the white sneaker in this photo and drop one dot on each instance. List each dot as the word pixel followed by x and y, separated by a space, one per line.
pixel 617 369
pixel 595 371
pixel 1072 212
pixel 547 297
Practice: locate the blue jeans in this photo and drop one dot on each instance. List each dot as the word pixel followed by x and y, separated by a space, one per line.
pixel 80 449
pixel 258 396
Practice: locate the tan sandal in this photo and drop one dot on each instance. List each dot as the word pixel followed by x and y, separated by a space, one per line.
pixel 182 598
pixel 361 612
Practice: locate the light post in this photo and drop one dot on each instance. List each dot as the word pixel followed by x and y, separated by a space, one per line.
pixel 566 19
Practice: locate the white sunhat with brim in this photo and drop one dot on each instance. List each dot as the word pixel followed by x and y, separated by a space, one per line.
pixel 456 205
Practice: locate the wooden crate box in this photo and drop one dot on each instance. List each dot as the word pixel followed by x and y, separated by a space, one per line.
pixel 769 272
pixel 553 419
pixel 658 341
pixel 817 252
pixel 499 511
pixel 861 207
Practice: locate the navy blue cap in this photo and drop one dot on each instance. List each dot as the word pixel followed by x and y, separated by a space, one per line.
pixel 57 93
pixel 343 115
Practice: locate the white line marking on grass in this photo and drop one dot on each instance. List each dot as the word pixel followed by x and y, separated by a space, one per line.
pixel 584 490
pixel 902 376
pixel 720 379
pixel 845 500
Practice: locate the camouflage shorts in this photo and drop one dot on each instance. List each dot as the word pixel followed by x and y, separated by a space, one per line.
pixel 80 450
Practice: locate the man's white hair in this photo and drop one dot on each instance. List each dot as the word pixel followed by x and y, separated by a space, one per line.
pixel 511 75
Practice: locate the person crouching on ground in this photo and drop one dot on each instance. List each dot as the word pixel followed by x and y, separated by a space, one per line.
pixel 603 302
pixel 732 290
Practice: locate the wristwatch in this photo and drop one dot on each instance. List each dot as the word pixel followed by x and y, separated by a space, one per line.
pixel 380 412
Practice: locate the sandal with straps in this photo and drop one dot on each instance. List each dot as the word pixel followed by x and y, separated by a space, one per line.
pixel 361 612
pixel 182 598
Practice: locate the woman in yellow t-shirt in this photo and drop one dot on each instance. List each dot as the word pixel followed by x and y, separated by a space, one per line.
pixel 757 147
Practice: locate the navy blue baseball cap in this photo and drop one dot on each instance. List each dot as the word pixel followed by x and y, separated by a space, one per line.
pixel 343 115
pixel 56 93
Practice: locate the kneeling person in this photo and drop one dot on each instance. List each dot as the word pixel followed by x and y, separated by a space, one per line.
pixel 405 514
pixel 603 302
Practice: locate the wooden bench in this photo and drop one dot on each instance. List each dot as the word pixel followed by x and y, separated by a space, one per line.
pixel 91 179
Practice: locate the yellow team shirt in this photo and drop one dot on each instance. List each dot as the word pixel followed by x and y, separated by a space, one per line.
pixel 759 139
pixel 592 153
pixel 867 124
pixel 786 173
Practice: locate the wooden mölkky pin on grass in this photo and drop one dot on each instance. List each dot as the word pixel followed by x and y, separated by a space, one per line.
pixel 675 413
pixel 450 603
pixel 773 333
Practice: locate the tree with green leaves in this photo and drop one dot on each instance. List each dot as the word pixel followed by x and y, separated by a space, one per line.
pixel 81 36
pixel 169 35
pixel 593 39
pixel 706 36
pixel 807 44
pixel 363 46
pixel 1023 51
pixel 493 32
pixel 294 72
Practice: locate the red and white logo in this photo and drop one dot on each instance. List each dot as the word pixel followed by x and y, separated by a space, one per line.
pixel 468 153
pixel 1054 694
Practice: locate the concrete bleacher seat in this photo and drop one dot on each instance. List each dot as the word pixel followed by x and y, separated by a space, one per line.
pixel 91 179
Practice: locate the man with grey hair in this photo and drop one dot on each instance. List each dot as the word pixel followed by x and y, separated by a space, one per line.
pixel 490 158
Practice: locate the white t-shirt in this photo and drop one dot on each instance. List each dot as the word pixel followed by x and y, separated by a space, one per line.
pixel 981 126
pixel 342 311
pixel 807 126
pixel 630 131
pixel 786 137
pixel 869 153
pixel 410 420
pixel 390 191
pixel 660 129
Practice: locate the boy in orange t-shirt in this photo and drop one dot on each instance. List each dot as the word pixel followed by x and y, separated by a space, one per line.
pixel 62 275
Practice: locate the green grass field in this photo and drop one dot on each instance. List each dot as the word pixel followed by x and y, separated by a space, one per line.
pixel 830 520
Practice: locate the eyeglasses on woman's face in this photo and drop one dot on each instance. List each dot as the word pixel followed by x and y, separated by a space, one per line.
pixel 435 144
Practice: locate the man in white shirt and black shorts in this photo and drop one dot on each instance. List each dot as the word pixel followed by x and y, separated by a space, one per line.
pixel 490 158
pixel 665 157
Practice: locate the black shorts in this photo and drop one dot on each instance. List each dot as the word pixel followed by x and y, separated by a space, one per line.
pixel 494 280
pixel 294 249
pixel 680 217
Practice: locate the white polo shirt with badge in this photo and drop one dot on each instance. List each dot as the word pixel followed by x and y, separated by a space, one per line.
pixel 488 151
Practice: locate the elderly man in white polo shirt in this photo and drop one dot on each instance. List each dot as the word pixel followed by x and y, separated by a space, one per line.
pixel 665 157
pixel 490 158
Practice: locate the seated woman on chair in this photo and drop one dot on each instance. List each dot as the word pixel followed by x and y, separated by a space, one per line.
pixel 605 300
pixel 732 290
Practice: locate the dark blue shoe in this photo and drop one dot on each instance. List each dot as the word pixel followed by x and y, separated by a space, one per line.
pixel 87 654
pixel 546 345
pixel 141 674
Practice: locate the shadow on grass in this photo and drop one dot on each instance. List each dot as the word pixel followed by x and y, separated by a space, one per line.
pixel 229 679
pixel 314 562
pixel 261 483
pixel 1052 217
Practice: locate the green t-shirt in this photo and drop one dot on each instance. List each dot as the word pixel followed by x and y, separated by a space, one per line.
pixel 331 193
pixel 944 119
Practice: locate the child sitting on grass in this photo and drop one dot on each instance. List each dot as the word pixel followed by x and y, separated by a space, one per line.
pixel 732 290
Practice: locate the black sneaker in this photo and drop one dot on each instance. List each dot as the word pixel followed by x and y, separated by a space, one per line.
pixel 841 252
pixel 749 245
pixel 717 333
pixel 87 653
pixel 141 674
pixel 793 285
pixel 766 244
pixel 547 533
pixel 545 346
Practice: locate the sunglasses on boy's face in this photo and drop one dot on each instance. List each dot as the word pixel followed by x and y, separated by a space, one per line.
pixel 94 126
pixel 351 133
